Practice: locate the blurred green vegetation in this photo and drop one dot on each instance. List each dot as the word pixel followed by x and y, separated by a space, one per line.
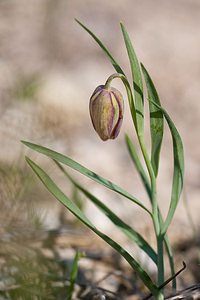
pixel 27 87
pixel 26 272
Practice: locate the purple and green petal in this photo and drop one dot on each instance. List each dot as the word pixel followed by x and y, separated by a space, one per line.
pixel 106 111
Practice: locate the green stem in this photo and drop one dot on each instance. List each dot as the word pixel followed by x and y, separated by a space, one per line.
pixel 129 93
pixel 155 213
pixel 145 180
pixel 169 252
pixel 153 185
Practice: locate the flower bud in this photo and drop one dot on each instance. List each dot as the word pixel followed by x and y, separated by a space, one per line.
pixel 106 111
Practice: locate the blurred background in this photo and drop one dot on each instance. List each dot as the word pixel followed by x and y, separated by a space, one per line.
pixel 49 67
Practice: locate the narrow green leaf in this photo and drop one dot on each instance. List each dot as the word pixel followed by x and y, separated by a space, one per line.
pixel 176 188
pixel 54 190
pixel 169 253
pixel 73 275
pixel 137 82
pixel 145 180
pixel 117 68
pixel 112 60
pixel 156 121
pixel 136 160
pixel 178 168
pixel 126 229
pixel 78 167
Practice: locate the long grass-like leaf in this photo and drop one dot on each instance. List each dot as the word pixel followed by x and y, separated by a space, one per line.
pixel 81 169
pixel 126 229
pixel 137 82
pixel 54 190
pixel 145 180
pixel 178 168
pixel 112 60
pixel 73 275
pixel 136 160
pixel 117 68
pixel 156 121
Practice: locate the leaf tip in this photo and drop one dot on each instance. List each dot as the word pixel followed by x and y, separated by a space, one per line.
pixel 75 19
pixel 126 137
pixel 122 26
pixel 28 159
pixel 28 144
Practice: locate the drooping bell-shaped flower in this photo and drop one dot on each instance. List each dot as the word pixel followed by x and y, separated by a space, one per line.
pixel 106 111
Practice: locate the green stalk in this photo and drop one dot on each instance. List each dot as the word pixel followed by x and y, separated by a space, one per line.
pixel 129 93
pixel 155 214
pixel 146 183
pixel 169 252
